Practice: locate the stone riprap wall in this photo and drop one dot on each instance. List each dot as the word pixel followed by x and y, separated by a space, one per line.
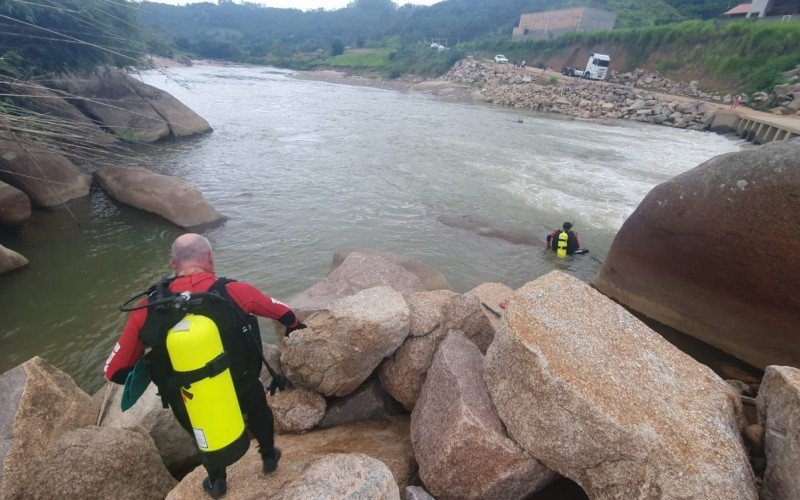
pixel 580 98
pixel 652 80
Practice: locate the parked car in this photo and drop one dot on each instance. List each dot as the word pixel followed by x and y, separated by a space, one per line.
pixel 500 58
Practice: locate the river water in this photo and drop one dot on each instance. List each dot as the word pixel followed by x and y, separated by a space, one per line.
pixel 303 168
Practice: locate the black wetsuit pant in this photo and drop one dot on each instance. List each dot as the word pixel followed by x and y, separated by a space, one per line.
pixel 258 417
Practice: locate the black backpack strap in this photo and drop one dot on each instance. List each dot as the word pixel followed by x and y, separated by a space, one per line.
pixel 220 287
pixel 211 369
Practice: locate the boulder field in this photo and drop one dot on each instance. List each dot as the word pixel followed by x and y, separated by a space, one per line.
pixel 571 385
pixel 503 84
pixel 713 253
pixel 97 111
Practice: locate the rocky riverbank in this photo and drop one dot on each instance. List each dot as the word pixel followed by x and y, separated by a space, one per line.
pixel 404 387
pixel 66 129
pixel 503 393
pixel 504 84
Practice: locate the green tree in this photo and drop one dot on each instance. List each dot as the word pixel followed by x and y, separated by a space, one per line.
pixel 67 35
pixel 337 47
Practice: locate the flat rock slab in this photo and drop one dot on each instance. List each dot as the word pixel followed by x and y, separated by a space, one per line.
pixel 48 179
pixel 592 392
pixel 779 412
pixel 343 476
pixel 459 441
pixel 693 255
pixel 169 197
pixel 38 405
pixel 97 462
pixel 385 442
pixel 344 344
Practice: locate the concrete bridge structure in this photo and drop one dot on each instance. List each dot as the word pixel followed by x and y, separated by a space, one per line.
pixel 755 126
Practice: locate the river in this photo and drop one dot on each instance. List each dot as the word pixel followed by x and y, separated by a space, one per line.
pixel 303 168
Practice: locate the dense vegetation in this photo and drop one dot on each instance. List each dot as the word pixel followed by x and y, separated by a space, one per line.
pixel 250 32
pixel 750 55
pixel 44 36
pixel 38 37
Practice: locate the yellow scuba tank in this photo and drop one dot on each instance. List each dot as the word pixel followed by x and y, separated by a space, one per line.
pixel 563 239
pixel 202 371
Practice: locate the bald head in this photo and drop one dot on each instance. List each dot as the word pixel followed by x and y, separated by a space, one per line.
pixel 191 253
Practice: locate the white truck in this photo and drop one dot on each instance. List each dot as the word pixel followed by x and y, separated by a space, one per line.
pixel 596 68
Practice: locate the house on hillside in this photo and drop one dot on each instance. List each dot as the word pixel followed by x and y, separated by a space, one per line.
pixel 554 23
pixel 772 10
pixel 740 11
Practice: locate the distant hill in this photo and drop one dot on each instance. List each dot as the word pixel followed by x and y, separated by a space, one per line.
pixel 235 31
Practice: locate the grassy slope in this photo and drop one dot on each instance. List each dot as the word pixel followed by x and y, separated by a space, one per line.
pixel 747 55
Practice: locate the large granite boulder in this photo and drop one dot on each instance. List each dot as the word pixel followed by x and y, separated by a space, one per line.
pixel 343 344
pixel 38 405
pixel 10 260
pixel 169 197
pixel 182 121
pixel 387 442
pixel 368 402
pixel 403 373
pixel 43 100
pixel 492 298
pixel 132 110
pixel 296 410
pixel 47 178
pixel 466 314
pixel 15 207
pixel 175 445
pixel 358 272
pixel 712 253
pixel 98 462
pixel 430 278
pixel 343 476
pixel 779 413
pixel 459 442
pixel 433 315
pixel 427 311
pixel 592 392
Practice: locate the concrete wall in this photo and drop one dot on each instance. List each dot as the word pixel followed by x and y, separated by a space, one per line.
pixel 758 8
pixel 552 24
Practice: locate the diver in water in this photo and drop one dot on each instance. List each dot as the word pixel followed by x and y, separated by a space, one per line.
pixel 564 241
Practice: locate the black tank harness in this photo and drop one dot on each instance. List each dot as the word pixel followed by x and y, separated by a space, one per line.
pixel 239 332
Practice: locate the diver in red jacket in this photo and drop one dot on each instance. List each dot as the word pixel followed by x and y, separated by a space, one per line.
pixel 193 263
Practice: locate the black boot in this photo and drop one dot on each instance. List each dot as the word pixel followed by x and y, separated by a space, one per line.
pixel 215 488
pixel 271 460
